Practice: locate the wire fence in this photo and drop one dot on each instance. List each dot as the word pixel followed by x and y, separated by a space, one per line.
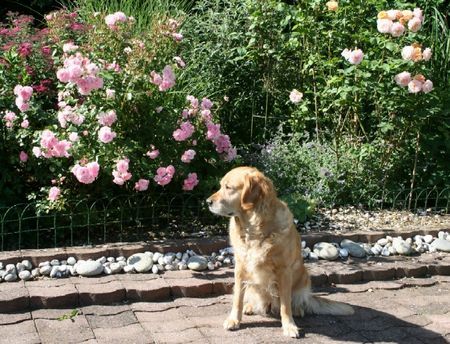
pixel 118 219
pixel 137 218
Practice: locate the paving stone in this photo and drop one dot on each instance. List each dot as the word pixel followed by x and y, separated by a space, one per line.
pixel 190 287
pixel 53 297
pixel 105 309
pixel 194 335
pixel 54 313
pixel 13 318
pixel 418 282
pixel 152 290
pixel 104 293
pixel 153 306
pixel 14 297
pixel 171 320
pixel 346 275
pixel 73 330
pixel 407 269
pixel 372 285
pixel 127 334
pixel 115 320
pixel 378 273
pixel 23 332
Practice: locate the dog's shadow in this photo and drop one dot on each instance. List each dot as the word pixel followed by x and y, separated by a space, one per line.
pixel 366 325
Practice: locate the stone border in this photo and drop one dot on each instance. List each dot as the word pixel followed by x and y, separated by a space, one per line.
pixel 81 291
pixel 201 246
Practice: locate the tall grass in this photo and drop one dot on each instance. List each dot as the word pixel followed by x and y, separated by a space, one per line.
pixel 441 45
pixel 144 11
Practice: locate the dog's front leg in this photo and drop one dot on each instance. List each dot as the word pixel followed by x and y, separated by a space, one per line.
pixel 234 319
pixel 290 329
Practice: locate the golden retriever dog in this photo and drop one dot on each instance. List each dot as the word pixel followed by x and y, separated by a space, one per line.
pixel 269 273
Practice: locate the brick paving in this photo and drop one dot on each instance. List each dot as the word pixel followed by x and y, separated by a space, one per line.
pixel 405 311
pixel 397 299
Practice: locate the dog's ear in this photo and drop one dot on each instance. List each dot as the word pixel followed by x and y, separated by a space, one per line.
pixel 257 189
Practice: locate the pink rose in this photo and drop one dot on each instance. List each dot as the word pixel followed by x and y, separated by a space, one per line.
pixel 23 156
pixel 69 47
pixel 22 104
pixel 392 14
pixel 177 36
pixel 384 25
pixel 36 152
pixel 107 118
pixel 190 182
pixel 403 79
pixel 122 165
pixel 168 79
pixel 105 135
pixel 23 92
pixel 397 29
pixel 414 86
pixel 356 56
pixel 179 61
pixel 153 154
pixel 141 185
pixel 407 53
pixel 418 13
pixel 186 130
pixel 25 123
pixel 164 175
pixel 414 24
pixel 73 136
pixel 206 104
pixel 427 86
pixel 188 156
pixel 213 131
pixel 426 55
pixel 295 96
pixel 54 193
pixel 63 75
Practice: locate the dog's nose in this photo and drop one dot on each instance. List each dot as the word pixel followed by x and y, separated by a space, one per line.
pixel 208 201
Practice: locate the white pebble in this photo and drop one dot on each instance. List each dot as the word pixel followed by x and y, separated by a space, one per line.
pixel 27 264
pixel 227 260
pixel 102 260
pixel 71 261
pixel 25 275
pixel 128 268
pixel 313 256
pixel 121 259
pixel 111 259
pixel 54 262
pixel 343 253
pixel 156 257
pixel 385 251
pixel 169 267
pixel 211 266
pixel 179 255
pixel 428 238
pixel 161 261
pixel 382 242
pixel 154 269
pixel 303 244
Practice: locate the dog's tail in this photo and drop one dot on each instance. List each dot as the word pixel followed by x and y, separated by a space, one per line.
pixel 304 301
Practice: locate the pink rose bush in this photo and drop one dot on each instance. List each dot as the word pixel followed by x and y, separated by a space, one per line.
pixel 96 113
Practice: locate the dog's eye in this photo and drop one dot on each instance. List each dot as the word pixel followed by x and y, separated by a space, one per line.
pixel 228 187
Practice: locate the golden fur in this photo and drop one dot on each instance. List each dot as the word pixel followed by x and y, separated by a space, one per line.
pixel 269 271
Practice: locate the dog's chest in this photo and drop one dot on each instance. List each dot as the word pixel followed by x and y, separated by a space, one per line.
pixel 255 257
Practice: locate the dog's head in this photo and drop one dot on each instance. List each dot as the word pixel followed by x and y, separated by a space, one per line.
pixel 241 190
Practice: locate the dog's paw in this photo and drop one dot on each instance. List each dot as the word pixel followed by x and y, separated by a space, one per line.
pixel 231 324
pixel 291 330
pixel 248 309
